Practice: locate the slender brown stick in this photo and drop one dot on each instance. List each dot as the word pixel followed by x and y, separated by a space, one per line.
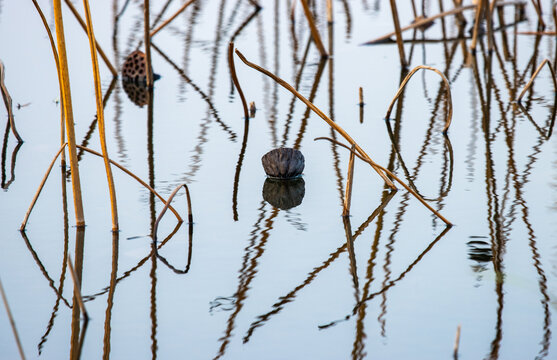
pixel 166 22
pixel 361 96
pixel 531 81
pixel 235 79
pixel 349 179
pixel 330 11
pixel 314 32
pixel 477 21
pixel 322 115
pixel 405 81
pixel 100 115
pixel 147 39
pixel 36 197
pixel 68 113
pixel 77 289
pixel 163 211
pixel 539 12
pixel 410 190
pixel 537 33
pixel 398 33
pixel 456 342
pixel 12 322
pixel 98 46
pixel 8 102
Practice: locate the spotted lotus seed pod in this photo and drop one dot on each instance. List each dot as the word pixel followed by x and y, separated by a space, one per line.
pixel 135 67
pixel 283 163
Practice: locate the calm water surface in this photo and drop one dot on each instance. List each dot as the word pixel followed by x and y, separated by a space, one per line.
pixel 248 280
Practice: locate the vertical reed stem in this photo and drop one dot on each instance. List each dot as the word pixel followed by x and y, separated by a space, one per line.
pixel 361 96
pixel 349 179
pixel 68 112
pixel 477 21
pixel 398 33
pixel 330 11
pixel 456 342
pixel 235 79
pixel 12 322
pixel 77 288
pixel 149 70
pixel 314 32
pixel 100 114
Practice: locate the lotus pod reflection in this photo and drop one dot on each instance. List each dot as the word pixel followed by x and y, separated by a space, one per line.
pixel 284 194
pixel 283 163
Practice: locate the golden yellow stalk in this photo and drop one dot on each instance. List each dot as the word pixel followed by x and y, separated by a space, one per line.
pixel 68 112
pixel 330 11
pixel 390 174
pixel 12 321
pixel 322 115
pixel 77 289
pixel 49 169
pixel 166 22
pixel 100 114
pixel 163 211
pixel 531 81
pixel 405 81
pixel 235 78
pixel 349 179
pixel 99 49
pixel 314 32
pixel 398 33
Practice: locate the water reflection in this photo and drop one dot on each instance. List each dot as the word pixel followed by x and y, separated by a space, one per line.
pixel 284 194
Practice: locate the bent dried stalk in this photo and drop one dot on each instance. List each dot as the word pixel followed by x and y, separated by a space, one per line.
pixel 99 48
pixel 314 32
pixel 163 211
pixel 235 78
pixel 531 81
pixel 12 322
pixel 405 81
pixel 166 22
pixel 349 180
pixel 45 177
pixel 408 188
pixel 100 114
pixel 322 115
pixel 68 112
pixel 8 102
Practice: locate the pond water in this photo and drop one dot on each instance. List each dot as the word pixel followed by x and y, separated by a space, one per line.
pixel 248 280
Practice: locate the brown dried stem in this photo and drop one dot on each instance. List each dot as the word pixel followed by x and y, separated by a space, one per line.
pixel 147 39
pixel 314 32
pixel 235 79
pixel 12 321
pixel 477 21
pixel 456 342
pixel 98 46
pixel 100 114
pixel 166 22
pixel 77 289
pixel 361 96
pixel 405 81
pixel 8 102
pixel 398 33
pixel 410 190
pixel 167 205
pixel 68 112
pixel 322 115
pixel 349 180
pixel 531 81
pixel 330 11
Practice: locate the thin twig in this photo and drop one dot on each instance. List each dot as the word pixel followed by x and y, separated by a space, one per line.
pixel 166 22
pixel 389 173
pixel 322 115
pixel 12 322
pixel 163 211
pixel 349 179
pixel 456 343
pixel 314 32
pixel 531 81
pixel 398 32
pixel 405 81
pixel 235 78
pixel 98 46
pixel 478 19
pixel 8 102
pixel 361 96
pixel 77 289
pixel 147 39
pixel 100 115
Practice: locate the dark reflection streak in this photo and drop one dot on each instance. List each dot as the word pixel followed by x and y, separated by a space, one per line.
pixel 312 94
pixel 153 312
pixel 110 298
pixel 6 184
pixel 160 14
pixel 247 273
pixel 77 336
pixel 351 255
pixel 238 169
pixel 283 300
pixel 42 268
pixel 274 108
pixel 136 29
pixel 293 36
pixel 348 18
pixel 64 262
pixel 293 101
pixel 233 15
pixel 190 254
pixel 205 97
pixel 133 269
pixel 191 23
pixel 549 123
pixel 244 24
pixel 117 98
pixel 532 65
pixel 263 56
